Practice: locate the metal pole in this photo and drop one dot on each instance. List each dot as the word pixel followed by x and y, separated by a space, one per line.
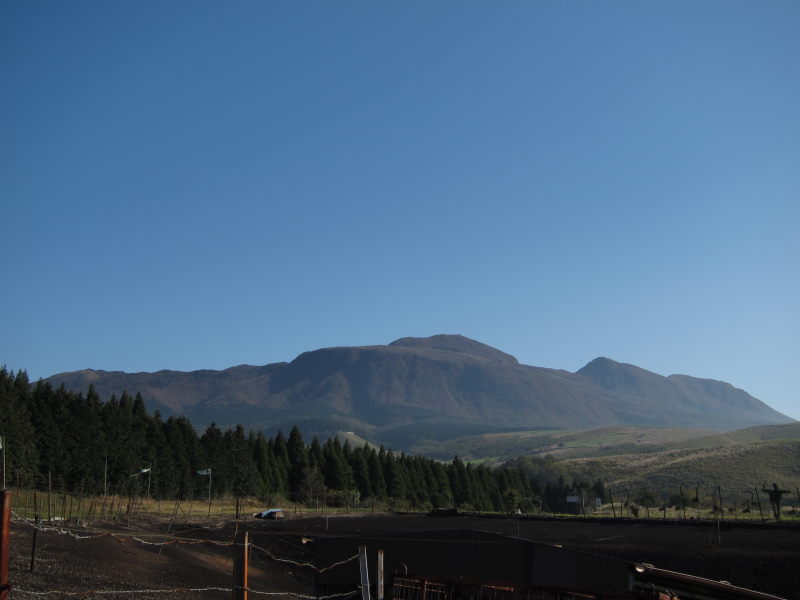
pixel 5 526
pixel 362 562
pixel 149 472
pixel 240 562
pixel 3 446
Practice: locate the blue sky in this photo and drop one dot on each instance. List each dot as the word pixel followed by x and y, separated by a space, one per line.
pixel 193 185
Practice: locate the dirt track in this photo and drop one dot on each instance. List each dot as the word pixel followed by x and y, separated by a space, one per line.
pixel 765 558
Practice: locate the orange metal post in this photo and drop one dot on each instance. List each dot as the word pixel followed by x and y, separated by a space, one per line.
pixel 240 562
pixel 5 526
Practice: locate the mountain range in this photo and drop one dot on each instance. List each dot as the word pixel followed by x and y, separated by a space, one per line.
pixel 445 386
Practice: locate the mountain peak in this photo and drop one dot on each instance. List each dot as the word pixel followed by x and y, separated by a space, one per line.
pixel 613 375
pixel 457 343
pixel 603 364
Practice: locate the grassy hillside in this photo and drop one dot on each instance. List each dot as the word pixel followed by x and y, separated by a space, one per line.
pixel 561 444
pixel 736 468
pixel 762 433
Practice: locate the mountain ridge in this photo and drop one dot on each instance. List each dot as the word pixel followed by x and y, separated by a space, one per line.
pixel 446 379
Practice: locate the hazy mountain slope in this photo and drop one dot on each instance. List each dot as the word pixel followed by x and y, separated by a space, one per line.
pixel 177 392
pixel 680 399
pixel 445 379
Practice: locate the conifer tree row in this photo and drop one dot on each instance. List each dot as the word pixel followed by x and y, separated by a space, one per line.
pixel 81 443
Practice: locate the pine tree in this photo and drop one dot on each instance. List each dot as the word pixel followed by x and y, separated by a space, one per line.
pixel 262 459
pixel 213 444
pixel 377 481
pixel 361 478
pixel 298 463
pixel 244 474
pixel 15 427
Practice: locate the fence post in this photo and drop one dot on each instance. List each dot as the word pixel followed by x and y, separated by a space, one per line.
pixel 36 520
pixel 683 503
pixel 362 562
pixel 5 526
pixel 240 562
pixel 380 572
pixel 758 499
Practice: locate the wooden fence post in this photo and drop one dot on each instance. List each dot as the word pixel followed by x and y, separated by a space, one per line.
pixel 5 526
pixel 758 499
pixel 240 563
pixel 49 497
pixel 380 571
pixel 683 503
pixel 798 501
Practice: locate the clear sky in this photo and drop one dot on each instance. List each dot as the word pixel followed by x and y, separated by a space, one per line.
pixel 190 185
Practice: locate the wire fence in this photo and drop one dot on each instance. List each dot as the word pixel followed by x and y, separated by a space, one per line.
pixel 341 596
pixel 175 540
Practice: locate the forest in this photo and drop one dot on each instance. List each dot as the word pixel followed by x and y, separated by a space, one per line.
pixel 81 443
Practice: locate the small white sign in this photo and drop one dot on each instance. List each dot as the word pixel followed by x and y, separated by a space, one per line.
pixel 574 499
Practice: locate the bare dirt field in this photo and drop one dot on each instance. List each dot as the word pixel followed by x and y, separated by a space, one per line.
pixel 197 562
pixel 760 557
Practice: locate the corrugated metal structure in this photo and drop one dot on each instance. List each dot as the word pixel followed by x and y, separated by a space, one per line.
pixel 477 565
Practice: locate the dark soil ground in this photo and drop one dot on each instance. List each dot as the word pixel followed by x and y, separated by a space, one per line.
pixel 197 557
pixel 760 557
pixel 755 556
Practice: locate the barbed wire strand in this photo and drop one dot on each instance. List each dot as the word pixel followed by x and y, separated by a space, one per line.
pixel 175 540
pixel 343 595
pixel 111 592
pixel 303 596
pixel 304 564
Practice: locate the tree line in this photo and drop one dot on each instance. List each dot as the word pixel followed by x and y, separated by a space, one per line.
pixel 78 442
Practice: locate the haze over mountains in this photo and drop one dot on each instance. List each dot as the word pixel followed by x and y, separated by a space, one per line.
pixel 448 385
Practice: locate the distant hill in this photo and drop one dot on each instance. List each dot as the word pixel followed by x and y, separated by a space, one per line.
pixel 439 385
pixel 789 432
pixel 564 444
pixel 735 468
pixel 630 459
